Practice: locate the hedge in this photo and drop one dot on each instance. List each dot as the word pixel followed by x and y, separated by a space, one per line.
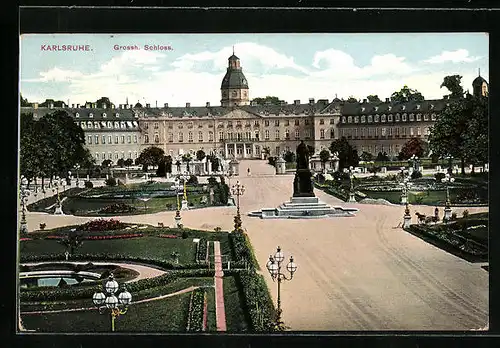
pixel 257 302
pixel 201 250
pixel 72 293
pixel 242 252
pixel 196 309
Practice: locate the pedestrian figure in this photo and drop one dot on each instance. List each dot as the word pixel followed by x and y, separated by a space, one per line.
pixel 248 171
pixel 436 213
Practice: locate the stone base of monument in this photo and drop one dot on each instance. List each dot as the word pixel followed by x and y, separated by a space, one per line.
pixel 303 208
pixel 58 211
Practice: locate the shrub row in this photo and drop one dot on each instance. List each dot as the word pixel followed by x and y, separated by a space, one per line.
pixel 201 250
pixel 258 304
pixel 196 308
pixel 241 248
pixel 102 225
pixel 116 236
pixel 71 293
pixel 166 265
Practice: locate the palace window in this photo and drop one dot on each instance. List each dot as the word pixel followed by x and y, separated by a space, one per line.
pixel 104 139
pixel 96 125
pixel 117 125
pixel 116 155
pixel 332 121
pixel 181 137
pixel 344 119
pixel 426 117
pixel 370 118
pixel 116 139
pixel 110 139
pixel 180 126
pixel 383 131
pixel 200 136
pixel 221 136
pixel 297 134
pixel 356 119
pixel 190 137
pixel 256 123
pixel 412 118
pixel 363 119
pixel 77 115
pixel 146 139
pixel 238 136
pixel 349 119
pixel 377 117
pixel 157 138
pixel 397 130
pixel 91 115
pixel 321 121
pixel 170 137
pixel 297 122
pixel 419 117
pixel 129 139
pixel 322 134
pixel 96 139
pixel 89 124
pixel 266 135
pixel 97 155
pixel 123 139
pixel 362 132
pixel 277 134
pixel 210 136
pixel 332 133
pixel 277 151
pixel 135 139
pixel 389 118
pixel 403 117
pixel 411 131
pixel 396 118
pixel 418 131
pixel 266 123
pixel 276 122
pixel 306 122
pixel 382 118
pixel 308 134
pixel 390 131
pixel 433 117
pixel 238 123
pixel 287 134
pixel 89 139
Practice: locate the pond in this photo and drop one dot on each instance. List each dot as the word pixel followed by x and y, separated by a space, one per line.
pixel 54 280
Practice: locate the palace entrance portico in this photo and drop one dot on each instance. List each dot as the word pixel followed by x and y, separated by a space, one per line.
pixel 241 149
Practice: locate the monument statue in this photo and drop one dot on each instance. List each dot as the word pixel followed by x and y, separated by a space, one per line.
pixel 302 183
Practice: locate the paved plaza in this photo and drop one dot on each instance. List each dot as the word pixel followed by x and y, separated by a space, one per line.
pixel 354 273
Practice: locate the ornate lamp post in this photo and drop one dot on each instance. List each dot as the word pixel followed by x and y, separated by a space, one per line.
pixel 57 182
pixel 108 300
pixel 415 163
pixel 404 183
pixel 447 209
pixel 23 195
pixel 274 268
pixel 185 178
pixel 178 217
pixel 352 197
pixel 449 158
pixel 77 168
pixel 406 217
pixel 238 190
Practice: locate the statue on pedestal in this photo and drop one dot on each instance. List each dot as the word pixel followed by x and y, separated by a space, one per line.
pixel 302 184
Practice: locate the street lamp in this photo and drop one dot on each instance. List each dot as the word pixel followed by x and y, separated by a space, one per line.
pixel 237 190
pixel 414 160
pixel 352 197
pixel 450 163
pixel 23 195
pixel 77 169
pixel 274 268
pixel 185 177
pixel 404 183
pixel 108 300
pixel 178 211
pixel 57 183
pixel 447 209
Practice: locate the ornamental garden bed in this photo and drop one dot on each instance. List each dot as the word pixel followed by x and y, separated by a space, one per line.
pixel 43 204
pixel 457 238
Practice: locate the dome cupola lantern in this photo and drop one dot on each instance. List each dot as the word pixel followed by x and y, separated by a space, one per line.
pixel 234 87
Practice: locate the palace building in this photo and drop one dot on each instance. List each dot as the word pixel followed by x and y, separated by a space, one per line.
pixel 244 129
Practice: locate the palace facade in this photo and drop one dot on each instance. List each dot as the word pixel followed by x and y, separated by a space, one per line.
pixel 244 129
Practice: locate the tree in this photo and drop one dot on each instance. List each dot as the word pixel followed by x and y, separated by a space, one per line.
pixel 382 157
pixel 347 155
pixel 366 156
pixel 268 99
pixel 51 145
pixel 24 101
pixel 352 99
pixel 453 84
pixel 168 164
pixel 128 162
pixel 106 163
pixel 311 149
pixel 187 158
pixel 215 162
pixel 104 100
pixel 407 94
pixel 150 156
pixel 200 155
pixel 161 170
pixel 461 131
pixel 373 98
pixel 324 156
pixel 120 162
pixel 414 146
pixel 289 157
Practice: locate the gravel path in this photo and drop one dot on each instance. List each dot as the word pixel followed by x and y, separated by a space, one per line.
pixel 220 312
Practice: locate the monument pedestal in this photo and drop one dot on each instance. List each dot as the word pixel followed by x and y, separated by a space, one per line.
pixel 352 197
pixel 406 220
pixel 447 213
pixel 178 220
pixel 23 229
pixel 404 200
pixel 184 205
pixel 58 211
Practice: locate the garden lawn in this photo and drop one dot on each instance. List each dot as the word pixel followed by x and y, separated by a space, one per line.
pixel 144 247
pixel 166 315
pixel 233 305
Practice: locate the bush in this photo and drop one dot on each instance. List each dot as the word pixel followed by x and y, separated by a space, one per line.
pixel 439 176
pixel 89 184
pixel 117 208
pixel 241 249
pixel 196 309
pixel 101 225
pixel 416 174
pixel 110 181
pixel 272 160
pixel 193 180
pixel 185 234
pixel 465 214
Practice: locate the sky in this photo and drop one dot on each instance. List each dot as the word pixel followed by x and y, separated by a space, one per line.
pixel 288 66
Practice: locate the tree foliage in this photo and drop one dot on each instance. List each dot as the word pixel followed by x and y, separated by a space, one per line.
pixel 382 157
pixel 453 84
pixel 407 94
pixel 366 156
pixel 461 131
pixel 324 156
pixel 414 146
pixel 200 155
pixel 150 156
pixel 24 101
pixel 373 98
pixel 348 156
pixel 51 145
pixel 268 99
pixel 352 99
pixel 289 157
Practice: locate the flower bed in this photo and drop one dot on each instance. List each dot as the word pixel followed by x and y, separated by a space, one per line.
pixel 116 236
pixel 172 236
pixel 102 225
pixel 196 307
pixel 117 208
pixel 24 239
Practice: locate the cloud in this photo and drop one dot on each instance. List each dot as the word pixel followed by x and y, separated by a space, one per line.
pixel 58 75
pixel 339 64
pixel 458 56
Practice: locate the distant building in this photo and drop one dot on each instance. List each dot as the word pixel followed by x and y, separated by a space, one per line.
pixel 243 130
